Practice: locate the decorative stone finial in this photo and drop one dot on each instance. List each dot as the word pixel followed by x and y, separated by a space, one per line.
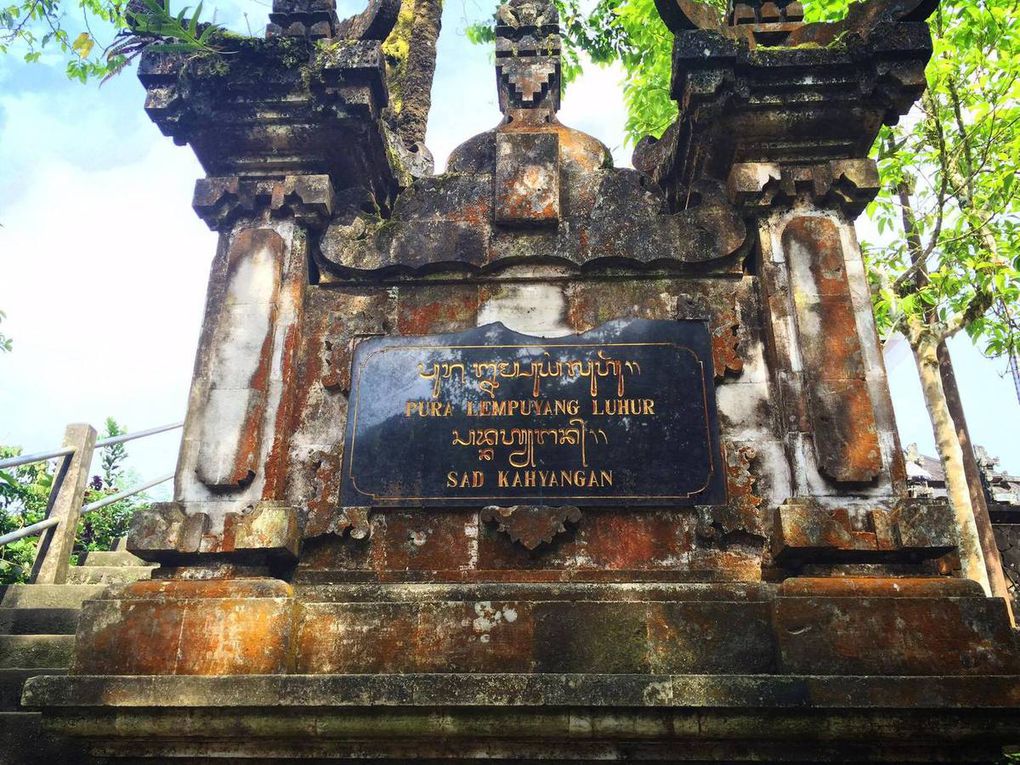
pixel 528 60
pixel 770 21
pixel 317 19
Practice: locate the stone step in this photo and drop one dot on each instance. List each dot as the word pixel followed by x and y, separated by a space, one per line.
pixel 112 558
pixel 24 742
pixel 12 680
pixel 38 621
pixel 30 651
pixel 48 595
pixel 107 574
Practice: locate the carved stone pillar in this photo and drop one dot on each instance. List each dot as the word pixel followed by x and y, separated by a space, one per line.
pixel 797 167
pixel 230 475
pixel 269 194
pixel 825 355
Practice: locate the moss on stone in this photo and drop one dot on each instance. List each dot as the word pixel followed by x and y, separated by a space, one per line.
pixel 396 49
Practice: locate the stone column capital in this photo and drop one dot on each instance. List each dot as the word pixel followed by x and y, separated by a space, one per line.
pixel 308 199
pixel 164 533
pixel 846 185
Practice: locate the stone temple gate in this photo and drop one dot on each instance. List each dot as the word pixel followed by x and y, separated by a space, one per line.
pixel 540 459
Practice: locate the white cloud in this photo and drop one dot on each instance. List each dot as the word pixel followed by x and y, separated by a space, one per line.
pixel 103 280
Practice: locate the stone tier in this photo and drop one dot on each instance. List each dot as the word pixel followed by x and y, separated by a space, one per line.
pixel 820 95
pixel 810 670
pixel 830 626
pixel 868 670
pixel 277 108
pixel 558 718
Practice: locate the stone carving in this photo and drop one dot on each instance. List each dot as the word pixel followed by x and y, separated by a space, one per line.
pixel 331 521
pixel 742 513
pixel 534 173
pixel 528 60
pixel 531 525
pixel 308 199
pixel 724 83
pixel 264 532
pixel 781 22
pixel 845 432
pixel 335 95
pixel 237 378
pixel 317 19
pixel 806 531
pixel 845 185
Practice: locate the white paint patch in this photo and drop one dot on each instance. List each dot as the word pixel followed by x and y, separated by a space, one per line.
pixel 489 617
pixel 532 309
pixel 738 405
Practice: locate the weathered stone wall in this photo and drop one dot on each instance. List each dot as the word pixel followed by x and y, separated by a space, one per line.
pixel 674 543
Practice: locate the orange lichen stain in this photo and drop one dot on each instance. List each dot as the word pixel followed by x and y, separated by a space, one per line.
pixel 726 344
pixel 431 310
pixel 477 213
pixel 621 541
pixel 188 627
pixel 276 462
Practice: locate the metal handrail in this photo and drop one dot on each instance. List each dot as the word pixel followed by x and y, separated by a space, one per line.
pixel 35 528
pixel 67 452
pixel 28 531
pixel 140 434
pixel 26 459
pixel 114 498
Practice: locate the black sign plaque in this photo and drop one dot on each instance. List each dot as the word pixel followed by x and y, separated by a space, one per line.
pixel 618 416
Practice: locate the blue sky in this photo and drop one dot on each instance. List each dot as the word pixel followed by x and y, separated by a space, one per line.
pixel 103 264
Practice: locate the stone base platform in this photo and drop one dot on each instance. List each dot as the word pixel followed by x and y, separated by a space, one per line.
pixel 920 627
pixel 808 670
pixel 548 718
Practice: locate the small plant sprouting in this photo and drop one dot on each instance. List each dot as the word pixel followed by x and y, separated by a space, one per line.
pixel 152 26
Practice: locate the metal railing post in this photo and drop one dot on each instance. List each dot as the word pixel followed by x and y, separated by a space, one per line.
pixel 53 556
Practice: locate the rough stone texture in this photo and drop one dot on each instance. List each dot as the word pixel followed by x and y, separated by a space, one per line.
pixel 806 530
pixel 815 616
pixel 263 626
pixel 238 378
pixel 842 418
pixel 164 532
pixel 730 113
pixel 1008 537
pixel 231 627
pixel 636 718
pixel 614 217
pixel 527 179
pixel 531 525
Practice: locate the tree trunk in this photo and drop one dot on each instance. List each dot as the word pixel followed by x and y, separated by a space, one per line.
pixel 410 66
pixel 972 561
pixel 979 503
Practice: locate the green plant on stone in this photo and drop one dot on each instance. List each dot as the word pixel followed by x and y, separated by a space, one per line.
pixel 31 27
